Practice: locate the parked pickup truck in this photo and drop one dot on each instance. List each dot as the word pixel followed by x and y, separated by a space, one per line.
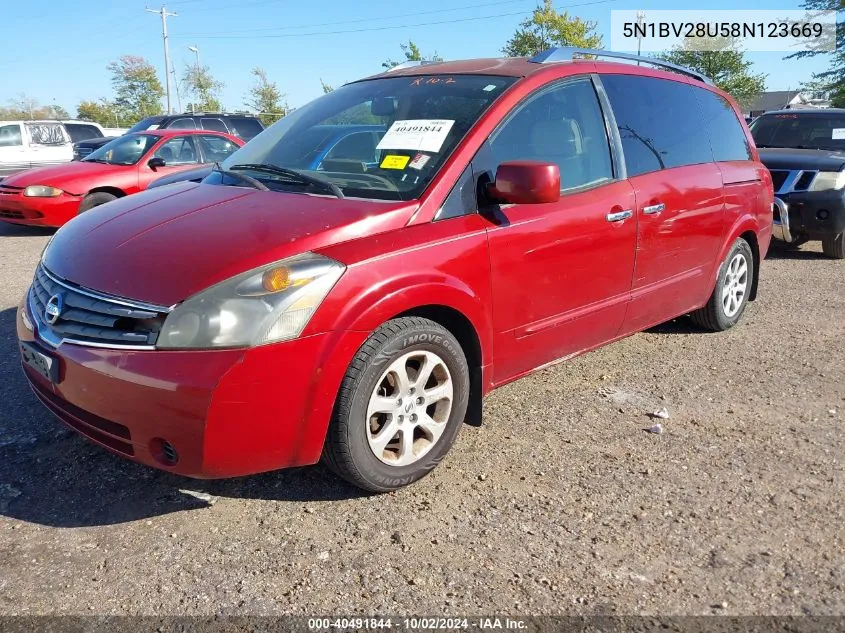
pixel 25 144
pixel 805 152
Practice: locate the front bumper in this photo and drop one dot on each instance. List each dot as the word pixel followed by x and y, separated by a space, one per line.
pixel 809 214
pixel 225 412
pixel 19 209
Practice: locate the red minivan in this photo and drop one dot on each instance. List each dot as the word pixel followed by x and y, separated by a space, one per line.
pixel 487 219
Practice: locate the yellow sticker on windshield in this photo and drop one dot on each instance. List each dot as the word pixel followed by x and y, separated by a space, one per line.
pixel 394 162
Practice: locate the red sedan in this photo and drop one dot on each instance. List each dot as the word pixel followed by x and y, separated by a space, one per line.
pixel 51 196
pixel 478 221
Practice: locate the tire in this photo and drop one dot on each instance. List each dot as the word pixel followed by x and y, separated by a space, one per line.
pixel 95 200
pixel 364 443
pixel 834 246
pixel 730 296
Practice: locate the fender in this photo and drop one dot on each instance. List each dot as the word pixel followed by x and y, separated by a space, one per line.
pixel 744 223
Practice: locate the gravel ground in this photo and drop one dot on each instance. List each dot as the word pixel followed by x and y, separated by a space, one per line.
pixel 558 503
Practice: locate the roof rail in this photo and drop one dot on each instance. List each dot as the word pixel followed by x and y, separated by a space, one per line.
pixel 409 65
pixel 568 54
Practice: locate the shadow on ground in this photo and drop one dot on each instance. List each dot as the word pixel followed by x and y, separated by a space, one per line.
pixel 52 476
pixel 780 251
pixel 19 230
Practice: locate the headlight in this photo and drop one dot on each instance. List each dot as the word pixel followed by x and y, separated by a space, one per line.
pixel 265 305
pixel 826 180
pixel 41 191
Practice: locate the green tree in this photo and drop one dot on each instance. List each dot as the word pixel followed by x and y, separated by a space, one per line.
pixel 837 99
pixel 265 97
pixel 831 80
pixel 23 108
pixel 204 88
pixel 326 87
pixel 548 28
pixel 103 112
pixel 412 53
pixel 138 91
pixel 726 64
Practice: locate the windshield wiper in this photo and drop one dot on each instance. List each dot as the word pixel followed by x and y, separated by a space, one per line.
pixel 252 182
pixel 95 160
pixel 293 174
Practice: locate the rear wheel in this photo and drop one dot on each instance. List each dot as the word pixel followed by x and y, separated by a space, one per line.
pixel 834 246
pixel 95 200
pixel 730 296
pixel 400 407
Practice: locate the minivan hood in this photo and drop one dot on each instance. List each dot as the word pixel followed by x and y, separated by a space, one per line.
pixel 163 245
pixel 809 159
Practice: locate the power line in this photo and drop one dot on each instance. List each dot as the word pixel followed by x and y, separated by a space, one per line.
pixel 369 19
pixel 386 28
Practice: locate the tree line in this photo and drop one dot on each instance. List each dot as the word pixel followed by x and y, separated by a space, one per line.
pixel 138 91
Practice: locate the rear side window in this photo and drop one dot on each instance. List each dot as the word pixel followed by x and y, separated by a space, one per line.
pixel 46 133
pixel 81 131
pixel 216 148
pixel 183 124
pixel 10 135
pixel 214 124
pixel 727 138
pixel 245 127
pixel 659 121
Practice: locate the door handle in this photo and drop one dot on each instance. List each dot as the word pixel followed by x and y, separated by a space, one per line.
pixel 618 216
pixel 654 209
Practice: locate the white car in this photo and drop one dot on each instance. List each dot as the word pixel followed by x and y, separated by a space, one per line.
pixel 26 144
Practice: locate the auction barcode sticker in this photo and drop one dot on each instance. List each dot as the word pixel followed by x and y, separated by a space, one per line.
pixel 787 31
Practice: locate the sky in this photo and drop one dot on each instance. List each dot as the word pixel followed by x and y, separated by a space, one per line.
pixel 60 56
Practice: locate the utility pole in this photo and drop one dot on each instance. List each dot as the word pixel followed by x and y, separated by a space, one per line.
pixel 640 23
pixel 164 15
pixel 196 51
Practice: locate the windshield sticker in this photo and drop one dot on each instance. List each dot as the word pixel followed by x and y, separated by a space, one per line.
pixel 422 135
pixel 419 161
pixel 839 134
pixel 392 161
pixel 490 88
pixel 419 81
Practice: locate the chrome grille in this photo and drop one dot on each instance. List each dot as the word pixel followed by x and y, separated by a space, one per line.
pixel 88 317
pixel 786 181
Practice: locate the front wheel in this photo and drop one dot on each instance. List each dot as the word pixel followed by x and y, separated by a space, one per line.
pixel 400 407
pixel 834 246
pixel 730 296
pixel 95 200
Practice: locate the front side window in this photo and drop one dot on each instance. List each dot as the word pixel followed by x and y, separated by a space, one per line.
pixel 46 133
pixel 659 121
pixel 417 122
pixel 177 151
pixel 216 148
pixel 124 150
pixel 804 130
pixel 562 125
pixel 10 135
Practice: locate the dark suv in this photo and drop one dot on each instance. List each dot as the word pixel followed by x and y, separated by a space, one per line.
pixel 805 152
pixel 244 126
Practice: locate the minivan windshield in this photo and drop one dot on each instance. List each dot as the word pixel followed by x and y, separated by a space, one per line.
pixel 124 150
pixel 381 138
pixel 804 130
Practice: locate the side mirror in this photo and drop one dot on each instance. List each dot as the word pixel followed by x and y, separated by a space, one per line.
pixel 156 162
pixel 525 182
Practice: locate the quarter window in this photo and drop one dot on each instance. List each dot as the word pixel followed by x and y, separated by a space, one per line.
pixel 562 125
pixel 10 135
pixel 727 137
pixel 82 131
pixel 659 122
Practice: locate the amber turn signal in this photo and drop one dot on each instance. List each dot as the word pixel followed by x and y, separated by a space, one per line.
pixel 275 279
